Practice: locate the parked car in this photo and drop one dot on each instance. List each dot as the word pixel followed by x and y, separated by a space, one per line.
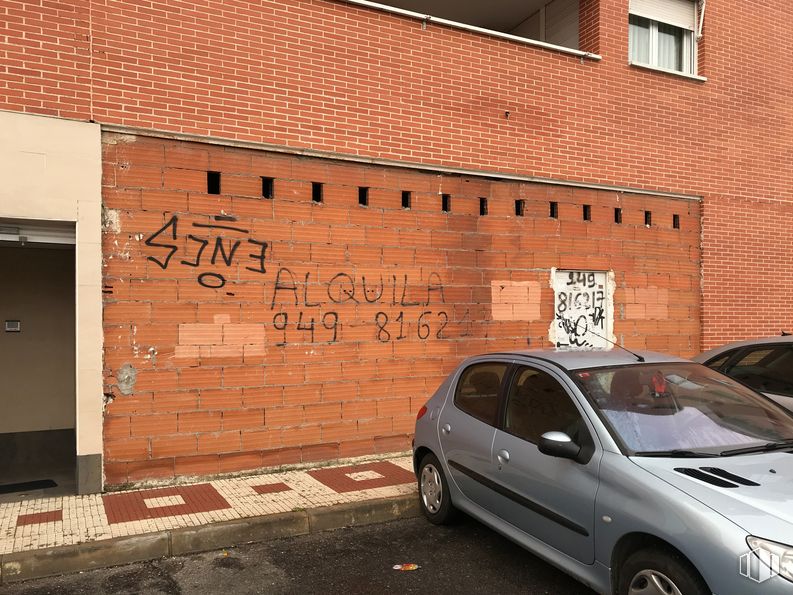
pixel 765 365
pixel 604 464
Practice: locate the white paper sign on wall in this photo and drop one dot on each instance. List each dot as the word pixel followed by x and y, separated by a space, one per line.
pixel 583 309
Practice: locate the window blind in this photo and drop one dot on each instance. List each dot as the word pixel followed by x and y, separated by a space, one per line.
pixel 681 13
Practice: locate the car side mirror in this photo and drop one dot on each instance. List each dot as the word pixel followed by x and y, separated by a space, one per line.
pixel 559 444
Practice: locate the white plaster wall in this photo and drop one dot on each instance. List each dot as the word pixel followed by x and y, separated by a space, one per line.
pixel 52 170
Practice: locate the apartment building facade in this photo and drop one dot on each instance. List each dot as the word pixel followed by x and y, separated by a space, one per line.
pixel 257 233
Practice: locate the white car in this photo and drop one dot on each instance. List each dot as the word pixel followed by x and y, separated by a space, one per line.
pixel 765 365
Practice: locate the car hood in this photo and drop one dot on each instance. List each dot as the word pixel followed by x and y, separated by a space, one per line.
pixel 764 510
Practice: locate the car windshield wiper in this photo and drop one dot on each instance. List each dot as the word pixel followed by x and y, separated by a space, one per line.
pixel 676 453
pixel 769 446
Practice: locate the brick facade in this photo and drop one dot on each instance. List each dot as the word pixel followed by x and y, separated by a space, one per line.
pixel 301 331
pixel 333 76
pixel 213 368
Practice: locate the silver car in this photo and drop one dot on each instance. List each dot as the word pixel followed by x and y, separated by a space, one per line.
pixel 604 464
pixel 765 365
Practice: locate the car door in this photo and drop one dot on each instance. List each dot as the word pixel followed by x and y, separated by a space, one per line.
pixel 550 498
pixel 467 424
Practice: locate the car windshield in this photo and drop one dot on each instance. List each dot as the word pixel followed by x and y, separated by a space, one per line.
pixel 682 406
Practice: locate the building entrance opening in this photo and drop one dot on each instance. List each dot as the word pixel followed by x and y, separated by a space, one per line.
pixel 37 365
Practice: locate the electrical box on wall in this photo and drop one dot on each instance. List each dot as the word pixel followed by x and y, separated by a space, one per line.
pixel 13 326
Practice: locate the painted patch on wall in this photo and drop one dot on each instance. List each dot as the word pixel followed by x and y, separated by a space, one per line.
pixel 583 309
pixel 515 300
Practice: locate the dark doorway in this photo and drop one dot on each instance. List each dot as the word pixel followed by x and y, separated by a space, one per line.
pixel 37 369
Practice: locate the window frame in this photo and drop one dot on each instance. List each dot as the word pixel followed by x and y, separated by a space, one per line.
pixel 732 362
pixel 505 379
pixel 587 441
pixel 689 58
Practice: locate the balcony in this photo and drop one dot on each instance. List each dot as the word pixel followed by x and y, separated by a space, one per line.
pixel 560 24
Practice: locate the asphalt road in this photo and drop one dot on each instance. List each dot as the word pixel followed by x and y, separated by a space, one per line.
pixel 464 558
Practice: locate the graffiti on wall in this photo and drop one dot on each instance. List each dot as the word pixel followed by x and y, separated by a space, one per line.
pixel 583 309
pixel 221 250
pixel 306 309
pixel 398 303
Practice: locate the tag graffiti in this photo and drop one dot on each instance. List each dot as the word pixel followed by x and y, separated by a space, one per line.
pixel 582 309
pixel 208 251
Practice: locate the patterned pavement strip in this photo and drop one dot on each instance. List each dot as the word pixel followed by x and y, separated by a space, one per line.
pixel 68 520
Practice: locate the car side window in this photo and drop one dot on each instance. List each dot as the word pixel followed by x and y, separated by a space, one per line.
pixel 767 369
pixel 478 388
pixel 537 403
pixel 717 363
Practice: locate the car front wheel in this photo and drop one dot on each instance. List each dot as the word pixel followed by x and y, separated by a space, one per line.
pixel 434 497
pixel 658 571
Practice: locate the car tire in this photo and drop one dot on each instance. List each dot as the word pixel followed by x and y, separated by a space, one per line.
pixel 434 497
pixel 657 571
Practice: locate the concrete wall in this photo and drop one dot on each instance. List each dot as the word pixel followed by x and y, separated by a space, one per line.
pixel 243 332
pixel 37 365
pixel 51 170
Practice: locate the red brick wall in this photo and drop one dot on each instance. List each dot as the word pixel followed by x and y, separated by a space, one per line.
pixel 329 75
pixel 225 378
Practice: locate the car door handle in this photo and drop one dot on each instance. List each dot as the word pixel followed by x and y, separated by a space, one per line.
pixel 446 428
pixel 503 456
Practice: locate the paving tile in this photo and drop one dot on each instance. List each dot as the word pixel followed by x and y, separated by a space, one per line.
pixel 362 477
pixel 48 522
pixel 271 488
pixel 133 506
pixel 38 518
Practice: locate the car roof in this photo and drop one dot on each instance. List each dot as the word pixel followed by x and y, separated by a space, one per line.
pixel 570 359
pixel 707 355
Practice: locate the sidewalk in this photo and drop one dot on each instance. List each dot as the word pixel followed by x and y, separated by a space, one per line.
pixel 48 536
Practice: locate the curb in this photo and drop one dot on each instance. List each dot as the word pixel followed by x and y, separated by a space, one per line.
pixel 23 566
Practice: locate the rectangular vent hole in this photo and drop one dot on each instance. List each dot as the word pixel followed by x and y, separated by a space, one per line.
pixel 617 215
pixel 213 182
pixel 406 199
pixel 587 212
pixel 316 192
pixel 482 205
pixel 520 208
pixel 267 187
pixel 363 196
pixel 554 210
pixel 676 221
pixel 648 218
pixel 446 203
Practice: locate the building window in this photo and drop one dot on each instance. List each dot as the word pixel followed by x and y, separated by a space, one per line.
pixel 661 34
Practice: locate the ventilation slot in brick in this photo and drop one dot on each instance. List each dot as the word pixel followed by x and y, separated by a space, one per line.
pixel 363 196
pixel 267 187
pixel 406 199
pixel 520 208
pixel 648 218
pixel 316 192
pixel 617 215
pixel 587 212
pixel 446 203
pixel 676 221
pixel 213 182
pixel 482 205
pixel 553 212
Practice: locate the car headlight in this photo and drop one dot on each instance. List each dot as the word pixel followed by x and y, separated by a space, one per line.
pixel 772 553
